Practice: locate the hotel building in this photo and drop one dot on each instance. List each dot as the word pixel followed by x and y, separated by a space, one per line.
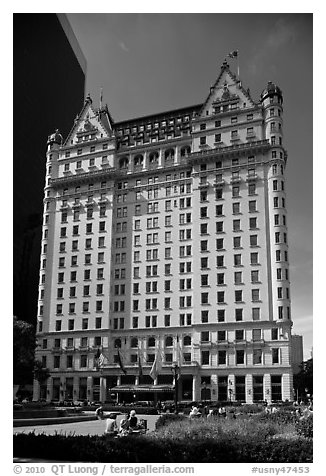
pixel 166 235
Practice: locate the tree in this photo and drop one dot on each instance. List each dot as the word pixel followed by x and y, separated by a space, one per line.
pixel 24 344
pixel 41 374
pixel 303 381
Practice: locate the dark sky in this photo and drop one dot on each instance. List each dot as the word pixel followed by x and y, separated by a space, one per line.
pixel 149 63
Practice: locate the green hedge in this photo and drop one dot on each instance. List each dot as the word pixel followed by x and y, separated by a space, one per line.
pixel 127 409
pixel 144 449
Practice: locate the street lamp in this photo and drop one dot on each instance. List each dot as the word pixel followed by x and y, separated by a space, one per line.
pixel 175 370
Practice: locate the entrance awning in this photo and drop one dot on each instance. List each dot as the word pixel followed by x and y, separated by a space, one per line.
pixel 143 388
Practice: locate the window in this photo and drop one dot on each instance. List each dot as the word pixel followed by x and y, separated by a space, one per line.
pixel 253 223
pixel 255 276
pixel 220 297
pixel 238 295
pixel 237 242
pixel 239 314
pixel 252 189
pixel 219 210
pixel 220 244
pixel 204 336
pixel 221 355
pixel 255 313
pixel 237 260
pixel 219 226
pixel 255 295
pixel 257 356
pixel 256 335
pixel 239 357
pixel 238 277
pixel 236 225
pixel 220 315
pixel 235 192
pixel 221 336
pixel 236 208
pixel 220 279
pixel 253 240
pixel 253 258
pixel 275 356
pixel 252 206
pixel 220 261
pixel 204 316
pixel 202 140
pixel 204 298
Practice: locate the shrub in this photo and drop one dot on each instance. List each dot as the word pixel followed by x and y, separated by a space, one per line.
pixel 167 418
pixel 127 409
pixel 198 449
pixel 304 427
pixel 254 408
pixel 281 417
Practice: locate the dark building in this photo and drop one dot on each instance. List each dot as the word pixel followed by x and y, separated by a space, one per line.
pixel 49 82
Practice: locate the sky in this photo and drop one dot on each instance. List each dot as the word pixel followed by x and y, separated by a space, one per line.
pixel 149 63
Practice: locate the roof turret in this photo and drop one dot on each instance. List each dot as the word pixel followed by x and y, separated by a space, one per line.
pixel 271 90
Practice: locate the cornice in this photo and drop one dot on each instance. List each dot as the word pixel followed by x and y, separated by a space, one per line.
pixel 237 149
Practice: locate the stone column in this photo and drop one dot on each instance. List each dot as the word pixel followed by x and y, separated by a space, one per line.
pixel 49 388
pixel 75 390
pixel 231 387
pixel 102 389
pixel 145 160
pixel 287 386
pixel 62 389
pixel 36 390
pixel 195 388
pixel 160 158
pixel 90 389
pixel 177 158
pixel 267 388
pixel 249 389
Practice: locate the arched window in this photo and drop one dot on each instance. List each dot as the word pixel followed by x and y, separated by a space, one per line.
pixel 138 160
pixel 187 340
pixel 134 342
pixel 185 151
pixel 151 342
pixel 168 341
pixel 169 154
pixel 153 157
pixel 123 162
pixel 117 343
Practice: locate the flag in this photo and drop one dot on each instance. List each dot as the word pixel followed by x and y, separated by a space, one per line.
pixel 156 367
pixel 101 98
pixel 179 358
pixel 100 359
pixel 140 368
pixel 233 54
pixel 120 362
